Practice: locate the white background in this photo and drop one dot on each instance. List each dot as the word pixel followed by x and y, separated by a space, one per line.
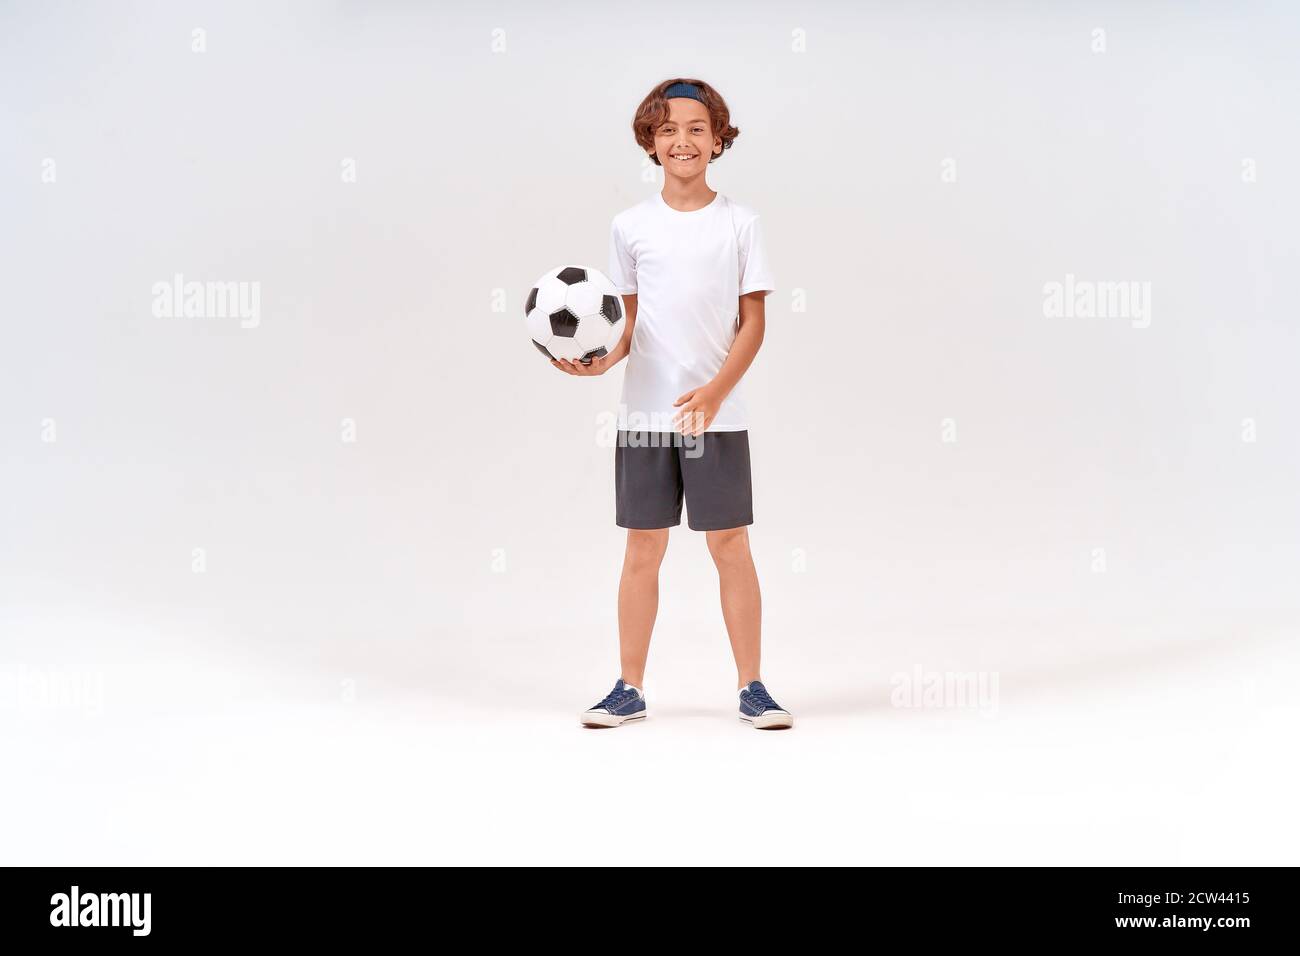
pixel 385 656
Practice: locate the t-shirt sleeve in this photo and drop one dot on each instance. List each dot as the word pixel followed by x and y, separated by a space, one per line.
pixel 755 271
pixel 622 264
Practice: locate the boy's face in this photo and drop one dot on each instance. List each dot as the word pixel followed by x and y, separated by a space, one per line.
pixel 686 134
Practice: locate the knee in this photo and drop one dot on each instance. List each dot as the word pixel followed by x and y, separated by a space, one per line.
pixel 730 548
pixel 645 549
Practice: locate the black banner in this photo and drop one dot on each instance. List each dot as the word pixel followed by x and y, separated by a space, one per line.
pixel 136 907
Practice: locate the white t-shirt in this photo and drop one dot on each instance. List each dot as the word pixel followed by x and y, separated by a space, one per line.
pixel 688 271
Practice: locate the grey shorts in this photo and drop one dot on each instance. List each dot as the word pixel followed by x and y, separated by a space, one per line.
pixel 653 471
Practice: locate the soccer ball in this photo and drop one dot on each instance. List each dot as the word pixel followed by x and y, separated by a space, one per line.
pixel 574 313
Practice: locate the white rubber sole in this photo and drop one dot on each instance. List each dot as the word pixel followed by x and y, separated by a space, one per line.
pixel 608 720
pixel 769 721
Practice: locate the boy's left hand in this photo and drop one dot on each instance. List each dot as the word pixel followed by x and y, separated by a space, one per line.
pixel 597 366
pixel 699 407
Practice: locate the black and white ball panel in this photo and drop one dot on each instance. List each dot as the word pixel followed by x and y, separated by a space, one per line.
pixel 574 312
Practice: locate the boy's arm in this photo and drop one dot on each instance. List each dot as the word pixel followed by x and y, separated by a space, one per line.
pixel 606 362
pixel 753 323
pixel 699 407
pixel 624 346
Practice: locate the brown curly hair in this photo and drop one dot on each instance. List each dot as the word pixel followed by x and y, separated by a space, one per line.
pixel 653 112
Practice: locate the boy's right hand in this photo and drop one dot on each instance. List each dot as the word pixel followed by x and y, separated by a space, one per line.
pixel 598 366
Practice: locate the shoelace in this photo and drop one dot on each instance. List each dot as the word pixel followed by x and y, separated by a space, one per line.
pixel 760 696
pixel 614 698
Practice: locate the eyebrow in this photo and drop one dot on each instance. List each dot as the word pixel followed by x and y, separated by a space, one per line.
pixel 672 123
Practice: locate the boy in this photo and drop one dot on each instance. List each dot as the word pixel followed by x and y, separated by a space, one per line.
pixel 692 269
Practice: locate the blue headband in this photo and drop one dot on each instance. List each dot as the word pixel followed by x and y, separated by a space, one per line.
pixel 687 90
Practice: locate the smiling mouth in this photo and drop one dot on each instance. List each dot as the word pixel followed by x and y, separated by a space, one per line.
pixel 682 157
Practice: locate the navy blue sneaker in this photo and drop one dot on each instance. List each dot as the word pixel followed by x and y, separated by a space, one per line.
pixel 758 707
pixel 622 704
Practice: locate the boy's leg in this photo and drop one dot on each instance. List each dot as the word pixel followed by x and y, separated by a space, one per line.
pixel 647 502
pixel 742 603
pixel 638 599
pixel 720 502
